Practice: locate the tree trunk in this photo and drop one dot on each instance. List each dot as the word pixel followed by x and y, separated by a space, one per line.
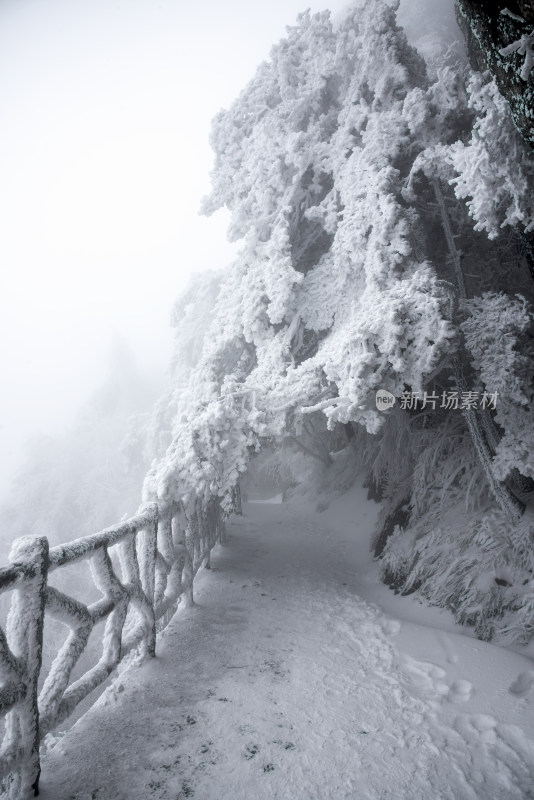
pixel 504 497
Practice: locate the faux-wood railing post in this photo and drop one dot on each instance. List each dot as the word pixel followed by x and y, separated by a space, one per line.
pixel 25 635
pixel 188 571
pixel 149 538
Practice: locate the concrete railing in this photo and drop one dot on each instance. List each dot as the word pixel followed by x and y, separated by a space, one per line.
pixel 142 568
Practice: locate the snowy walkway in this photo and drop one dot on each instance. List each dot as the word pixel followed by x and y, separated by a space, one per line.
pixel 284 684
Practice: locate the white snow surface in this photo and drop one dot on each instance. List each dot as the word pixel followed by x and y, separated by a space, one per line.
pixel 298 676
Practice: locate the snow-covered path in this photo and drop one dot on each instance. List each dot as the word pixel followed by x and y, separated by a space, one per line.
pixel 284 683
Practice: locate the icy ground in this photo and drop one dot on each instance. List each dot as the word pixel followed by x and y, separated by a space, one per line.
pixel 286 682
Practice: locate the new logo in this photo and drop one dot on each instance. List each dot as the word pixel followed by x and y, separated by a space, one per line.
pixel 384 400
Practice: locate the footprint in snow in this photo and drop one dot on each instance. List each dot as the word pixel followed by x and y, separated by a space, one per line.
pixel 460 691
pixel 251 750
pixel 522 684
pixel 391 627
pixel 425 678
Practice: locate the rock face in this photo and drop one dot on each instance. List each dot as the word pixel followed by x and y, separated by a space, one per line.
pixel 504 44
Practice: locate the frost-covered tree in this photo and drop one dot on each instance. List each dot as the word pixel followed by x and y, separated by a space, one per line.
pixel 499 337
pixel 380 210
pixel 329 298
pixel 311 160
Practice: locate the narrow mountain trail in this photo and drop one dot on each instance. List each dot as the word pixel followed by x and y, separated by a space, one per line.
pixel 282 682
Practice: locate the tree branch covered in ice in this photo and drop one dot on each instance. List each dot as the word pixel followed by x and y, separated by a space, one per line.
pixel 525 47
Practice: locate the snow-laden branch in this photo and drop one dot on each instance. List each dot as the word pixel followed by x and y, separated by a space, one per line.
pixel 507 13
pixel 524 46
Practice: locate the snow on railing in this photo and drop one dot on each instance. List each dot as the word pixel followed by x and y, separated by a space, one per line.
pixel 159 552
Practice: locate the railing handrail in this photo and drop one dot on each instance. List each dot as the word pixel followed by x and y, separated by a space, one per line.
pixel 83 547
pixel 10 575
pixel 160 549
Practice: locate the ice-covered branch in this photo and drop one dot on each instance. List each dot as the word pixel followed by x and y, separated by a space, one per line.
pixel 524 46
pixel 506 12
